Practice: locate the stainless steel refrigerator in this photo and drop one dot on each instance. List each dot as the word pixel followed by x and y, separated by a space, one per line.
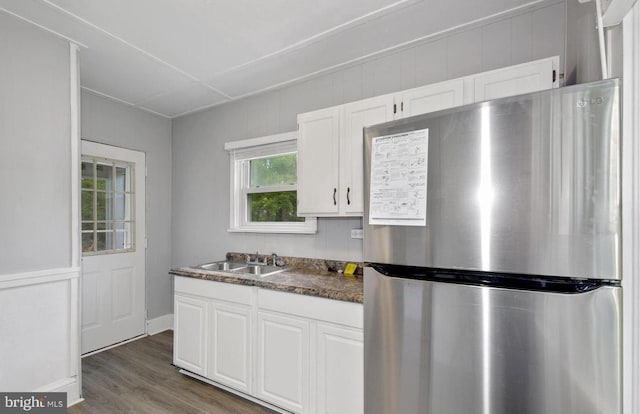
pixel 492 243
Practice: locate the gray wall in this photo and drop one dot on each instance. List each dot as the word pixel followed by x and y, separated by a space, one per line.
pixel 109 122
pixel 583 54
pixel 35 149
pixel 201 166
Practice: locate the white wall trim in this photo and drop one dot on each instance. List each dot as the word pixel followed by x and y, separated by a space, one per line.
pixel 631 211
pixel 74 93
pixel 38 276
pixel 254 142
pixel 160 324
pixel 46 29
pixel 69 385
pixel 75 324
pixel 122 101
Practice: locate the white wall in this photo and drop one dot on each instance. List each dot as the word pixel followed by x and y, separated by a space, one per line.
pixel 113 123
pixel 38 272
pixel 201 166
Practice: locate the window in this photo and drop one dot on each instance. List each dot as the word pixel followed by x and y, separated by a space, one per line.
pixel 107 206
pixel 264 186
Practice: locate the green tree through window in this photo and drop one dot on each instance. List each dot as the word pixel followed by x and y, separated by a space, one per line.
pixel 275 206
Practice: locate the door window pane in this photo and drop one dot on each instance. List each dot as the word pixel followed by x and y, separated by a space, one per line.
pixel 87 205
pixel 87 242
pixel 106 204
pixel 87 175
pixel 123 206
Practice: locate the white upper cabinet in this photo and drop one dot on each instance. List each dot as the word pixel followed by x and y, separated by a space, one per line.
pixel 318 162
pixel 516 80
pixel 330 141
pixel 356 116
pixel 431 98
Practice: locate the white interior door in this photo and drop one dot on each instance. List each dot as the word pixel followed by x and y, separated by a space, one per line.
pixel 113 245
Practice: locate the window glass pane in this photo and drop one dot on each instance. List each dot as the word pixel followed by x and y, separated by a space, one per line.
pixel 87 242
pixel 104 206
pixel 87 174
pixel 104 173
pixel 104 225
pixel 87 205
pixel 123 181
pixel 278 170
pixel 104 200
pixel 105 240
pixel 123 235
pixel 276 206
pixel 123 207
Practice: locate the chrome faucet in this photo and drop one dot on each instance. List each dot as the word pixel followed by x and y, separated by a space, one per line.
pixel 256 260
pixel 274 259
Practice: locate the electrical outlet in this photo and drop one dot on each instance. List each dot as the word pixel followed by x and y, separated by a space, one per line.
pixel 356 233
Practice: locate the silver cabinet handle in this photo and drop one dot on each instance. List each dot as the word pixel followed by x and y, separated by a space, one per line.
pixel 348 200
pixel 334 196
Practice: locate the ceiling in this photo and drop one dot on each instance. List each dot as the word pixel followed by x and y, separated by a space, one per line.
pixel 173 57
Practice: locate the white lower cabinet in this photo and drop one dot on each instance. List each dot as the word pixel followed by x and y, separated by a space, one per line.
pixel 303 354
pixel 340 370
pixel 190 331
pixel 283 361
pixel 230 346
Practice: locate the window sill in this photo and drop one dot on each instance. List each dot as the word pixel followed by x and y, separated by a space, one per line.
pixel 309 227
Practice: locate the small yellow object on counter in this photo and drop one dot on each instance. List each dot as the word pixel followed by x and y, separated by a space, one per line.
pixel 350 268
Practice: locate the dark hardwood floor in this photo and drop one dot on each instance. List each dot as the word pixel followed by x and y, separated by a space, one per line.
pixel 138 378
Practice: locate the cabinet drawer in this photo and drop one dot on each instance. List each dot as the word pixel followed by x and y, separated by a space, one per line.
pixel 328 310
pixel 214 290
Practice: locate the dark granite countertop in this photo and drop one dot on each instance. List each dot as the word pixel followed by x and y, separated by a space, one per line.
pixel 301 278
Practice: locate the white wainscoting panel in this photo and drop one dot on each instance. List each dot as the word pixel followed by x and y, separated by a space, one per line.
pixel 39 322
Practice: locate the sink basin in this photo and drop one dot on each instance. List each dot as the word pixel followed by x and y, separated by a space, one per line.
pixel 262 270
pixel 223 265
pixel 243 268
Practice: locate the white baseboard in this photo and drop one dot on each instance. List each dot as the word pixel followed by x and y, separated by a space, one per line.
pixel 160 324
pixel 69 385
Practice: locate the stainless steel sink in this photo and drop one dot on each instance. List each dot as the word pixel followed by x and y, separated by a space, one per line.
pixel 223 266
pixel 243 268
pixel 262 270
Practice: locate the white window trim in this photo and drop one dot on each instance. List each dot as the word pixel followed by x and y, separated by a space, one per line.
pixel 251 149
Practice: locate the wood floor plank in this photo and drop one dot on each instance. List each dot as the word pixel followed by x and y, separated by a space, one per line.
pixel 138 377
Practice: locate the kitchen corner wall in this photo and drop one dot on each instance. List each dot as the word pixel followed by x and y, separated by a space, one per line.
pixel 200 209
pixel 112 123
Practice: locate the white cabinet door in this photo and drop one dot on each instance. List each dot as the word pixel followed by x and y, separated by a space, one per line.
pixel 431 98
pixel 515 80
pixel 356 116
pixel 318 162
pixel 340 368
pixel 283 361
pixel 190 336
pixel 229 352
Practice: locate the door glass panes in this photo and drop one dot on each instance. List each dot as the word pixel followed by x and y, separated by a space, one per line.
pixel 107 206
